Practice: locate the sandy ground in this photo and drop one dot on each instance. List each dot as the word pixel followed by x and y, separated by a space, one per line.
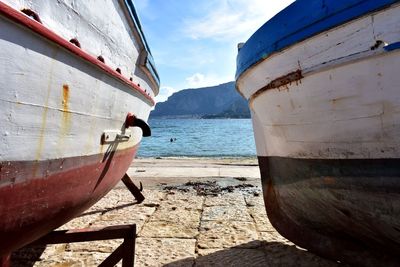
pixel 218 219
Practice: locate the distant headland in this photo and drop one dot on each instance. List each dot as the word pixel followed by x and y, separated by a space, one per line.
pixel 220 101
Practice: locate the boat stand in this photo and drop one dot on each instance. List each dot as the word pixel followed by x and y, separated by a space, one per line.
pixel 135 191
pixel 125 252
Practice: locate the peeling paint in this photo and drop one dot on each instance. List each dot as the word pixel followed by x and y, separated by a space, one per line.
pixel 65 97
pixel 66 118
pixel 66 114
pixel 285 80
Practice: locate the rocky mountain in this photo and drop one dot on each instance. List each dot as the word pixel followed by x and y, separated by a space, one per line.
pixel 221 101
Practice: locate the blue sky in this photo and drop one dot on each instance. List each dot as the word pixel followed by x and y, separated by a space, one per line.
pixel 194 43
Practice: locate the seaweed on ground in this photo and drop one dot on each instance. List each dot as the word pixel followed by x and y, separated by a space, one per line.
pixel 207 188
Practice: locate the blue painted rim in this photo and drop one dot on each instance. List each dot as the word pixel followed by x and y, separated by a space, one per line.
pixel 299 21
pixel 392 47
pixel 149 59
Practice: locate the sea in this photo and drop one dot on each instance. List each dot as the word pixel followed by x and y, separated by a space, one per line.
pixel 199 138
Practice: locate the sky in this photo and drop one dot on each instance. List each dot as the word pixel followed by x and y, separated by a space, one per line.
pixel 194 42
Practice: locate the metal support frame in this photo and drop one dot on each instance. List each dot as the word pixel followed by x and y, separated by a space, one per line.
pixel 125 252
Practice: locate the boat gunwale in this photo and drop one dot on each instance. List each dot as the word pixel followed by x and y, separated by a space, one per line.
pixel 299 74
pixel 149 63
pixel 23 20
pixel 259 50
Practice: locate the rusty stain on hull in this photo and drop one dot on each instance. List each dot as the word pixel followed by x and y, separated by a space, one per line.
pixel 66 113
pixel 65 97
pixel 294 76
pixel 65 108
pixel 45 110
pixel 66 118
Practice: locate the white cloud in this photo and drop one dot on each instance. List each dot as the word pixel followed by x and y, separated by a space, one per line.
pixel 165 92
pixel 198 80
pixel 195 80
pixel 233 19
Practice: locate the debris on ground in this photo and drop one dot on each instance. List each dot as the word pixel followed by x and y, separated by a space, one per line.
pixel 212 188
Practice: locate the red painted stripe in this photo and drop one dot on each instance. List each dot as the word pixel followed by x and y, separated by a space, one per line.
pixel 44 195
pixel 35 26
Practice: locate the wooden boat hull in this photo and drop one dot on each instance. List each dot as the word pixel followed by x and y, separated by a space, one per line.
pixel 64 138
pixel 34 207
pixel 325 113
pixel 340 209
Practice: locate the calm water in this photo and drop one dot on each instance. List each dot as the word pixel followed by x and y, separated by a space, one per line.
pixel 196 137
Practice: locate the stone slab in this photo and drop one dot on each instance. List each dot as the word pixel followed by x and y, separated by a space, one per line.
pixel 226 213
pixel 259 215
pixel 83 221
pixel 162 229
pixel 165 252
pixel 231 199
pixel 231 257
pixel 252 201
pixel 281 254
pixel 176 214
pixel 103 246
pixel 128 215
pixel 183 200
pixel 274 237
pixel 224 234
pixel 72 259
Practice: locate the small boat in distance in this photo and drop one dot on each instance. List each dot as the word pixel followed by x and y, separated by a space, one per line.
pixel 77 86
pixel 323 85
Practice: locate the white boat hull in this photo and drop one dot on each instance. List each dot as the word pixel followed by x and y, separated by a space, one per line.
pixel 345 90
pixel 347 111
pixel 64 134
pixel 326 118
